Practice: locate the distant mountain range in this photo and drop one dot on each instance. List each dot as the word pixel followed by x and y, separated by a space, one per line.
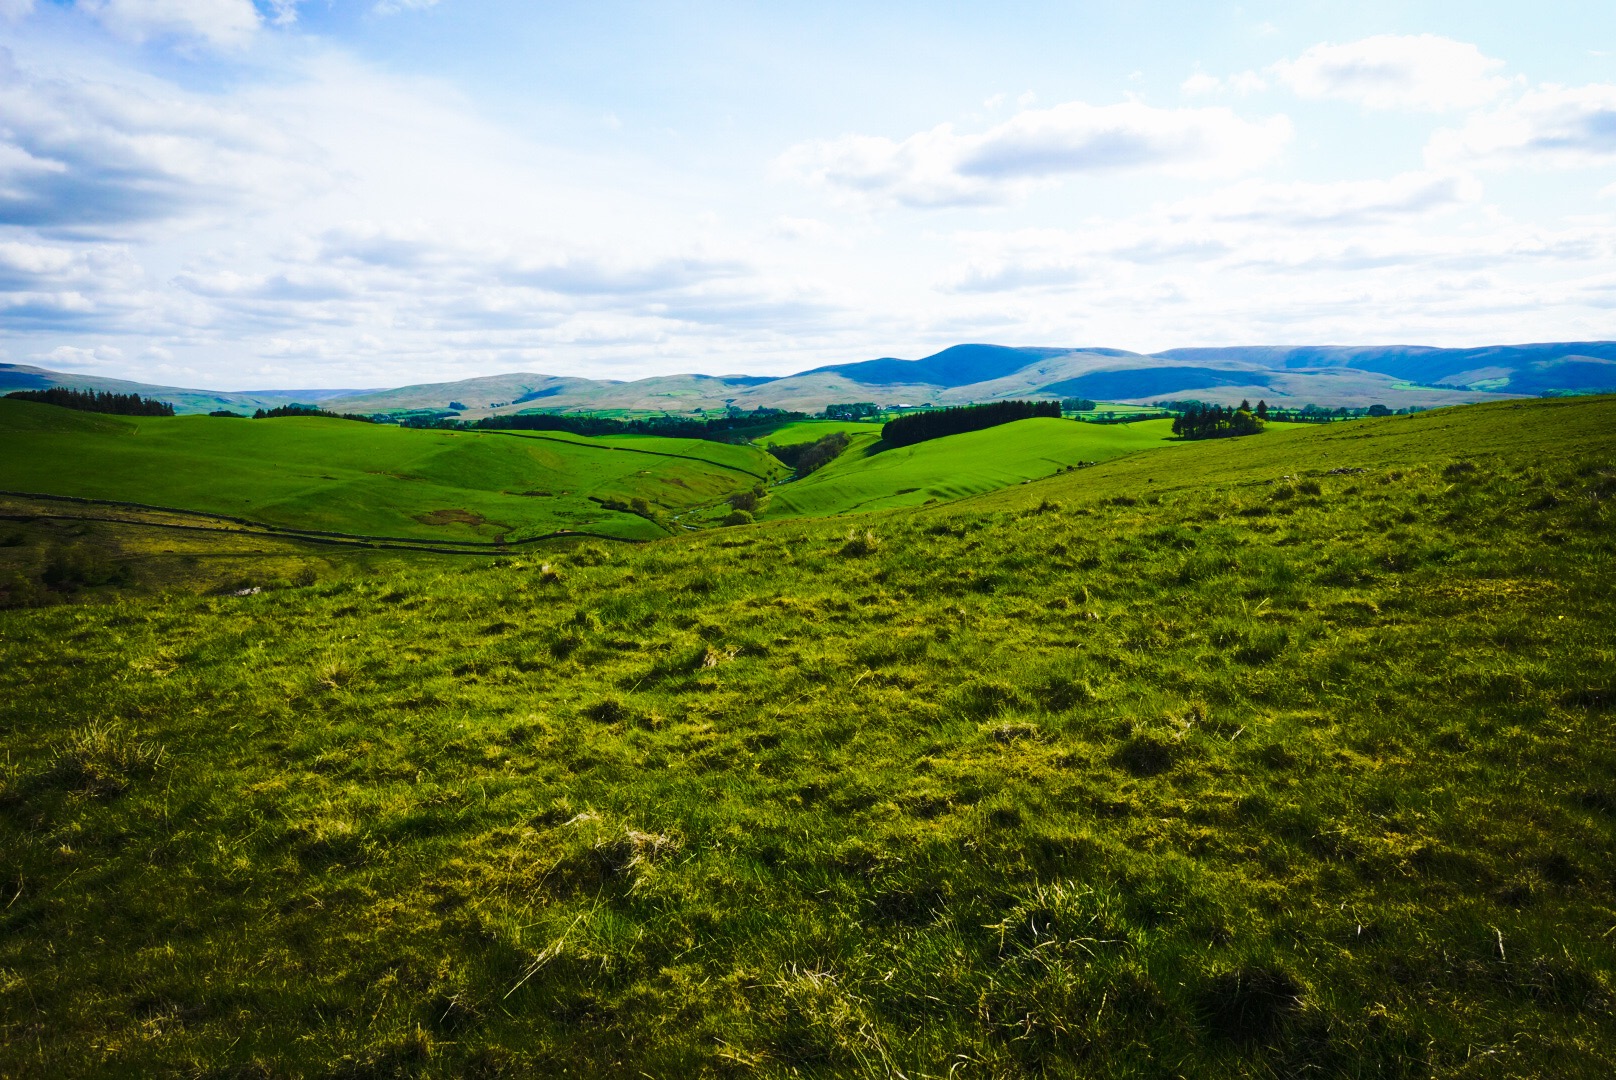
pixel 1326 375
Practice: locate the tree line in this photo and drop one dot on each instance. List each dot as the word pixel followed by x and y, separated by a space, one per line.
pixel 1307 414
pixel 1216 422
pixel 673 427
pixel 921 426
pixel 96 401
pixel 307 410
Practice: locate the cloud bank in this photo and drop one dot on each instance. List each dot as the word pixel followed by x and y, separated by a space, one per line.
pixel 942 168
pixel 1423 71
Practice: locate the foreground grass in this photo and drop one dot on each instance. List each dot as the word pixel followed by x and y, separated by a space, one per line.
pixel 1213 761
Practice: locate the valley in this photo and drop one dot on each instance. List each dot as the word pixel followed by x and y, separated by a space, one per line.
pixel 1278 754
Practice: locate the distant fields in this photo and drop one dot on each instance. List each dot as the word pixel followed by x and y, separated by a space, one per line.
pixel 342 476
pixel 811 430
pixel 868 478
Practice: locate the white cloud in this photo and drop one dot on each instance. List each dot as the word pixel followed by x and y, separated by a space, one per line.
pixel 220 23
pixel 72 357
pixel 939 167
pixel 1406 227
pixel 1340 203
pixel 802 228
pixel 33 260
pixel 1549 127
pixel 77 153
pixel 393 7
pixel 1200 84
pixel 1397 72
pixel 13 10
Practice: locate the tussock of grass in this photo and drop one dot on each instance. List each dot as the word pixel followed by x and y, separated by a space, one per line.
pixel 1147 784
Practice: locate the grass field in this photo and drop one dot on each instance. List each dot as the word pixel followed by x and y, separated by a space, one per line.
pixel 342 476
pixel 812 430
pixel 867 477
pixel 1281 756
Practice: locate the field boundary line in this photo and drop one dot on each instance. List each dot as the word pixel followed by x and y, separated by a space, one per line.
pixel 259 528
pixel 623 449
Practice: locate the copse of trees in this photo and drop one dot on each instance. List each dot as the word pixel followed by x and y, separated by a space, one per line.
pixel 858 410
pixel 919 427
pixel 307 410
pixel 804 458
pixel 94 401
pixel 1216 422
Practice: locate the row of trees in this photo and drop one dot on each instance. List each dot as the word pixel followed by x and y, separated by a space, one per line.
pixel 1216 422
pixel 676 427
pixel 307 410
pixel 1307 414
pixel 918 427
pixel 94 401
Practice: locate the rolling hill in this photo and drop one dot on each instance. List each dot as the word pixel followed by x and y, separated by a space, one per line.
pixel 1279 756
pixel 313 473
pixel 867 476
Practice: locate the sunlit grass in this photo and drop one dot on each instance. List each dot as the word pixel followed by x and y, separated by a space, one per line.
pixel 1273 757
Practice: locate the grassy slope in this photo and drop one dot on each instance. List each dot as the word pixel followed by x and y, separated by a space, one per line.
pixel 865 478
pixel 346 477
pixel 1170 766
pixel 803 431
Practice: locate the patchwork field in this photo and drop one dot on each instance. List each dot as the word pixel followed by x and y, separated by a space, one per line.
pixel 1280 756
pixel 341 476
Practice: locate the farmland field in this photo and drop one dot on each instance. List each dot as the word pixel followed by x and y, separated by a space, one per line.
pixel 342 476
pixel 809 430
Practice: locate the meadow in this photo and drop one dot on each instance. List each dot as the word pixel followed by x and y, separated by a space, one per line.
pixel 869 476
pixel 803 431
pixel 1273 756
pixel 341 476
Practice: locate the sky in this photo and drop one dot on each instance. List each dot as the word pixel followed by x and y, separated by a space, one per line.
pixel 353 193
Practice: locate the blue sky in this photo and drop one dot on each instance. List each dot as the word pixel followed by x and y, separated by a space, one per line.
pixel 230 194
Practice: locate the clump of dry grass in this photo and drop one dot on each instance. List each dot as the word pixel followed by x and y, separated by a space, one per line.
pixel 859 544
pixel 104 759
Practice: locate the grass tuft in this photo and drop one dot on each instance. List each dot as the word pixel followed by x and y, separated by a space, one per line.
pixel 104 759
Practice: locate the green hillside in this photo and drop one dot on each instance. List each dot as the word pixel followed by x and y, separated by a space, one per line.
pixel 803 431
pixel 867 477
pixel 1280 756
pixel 341 476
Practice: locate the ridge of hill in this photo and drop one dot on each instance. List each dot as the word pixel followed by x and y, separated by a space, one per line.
pixel 1522 369
pixel 28 377
pixel 315 473
pixel 1397 376
pixel 959 365
pixel 1274 756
